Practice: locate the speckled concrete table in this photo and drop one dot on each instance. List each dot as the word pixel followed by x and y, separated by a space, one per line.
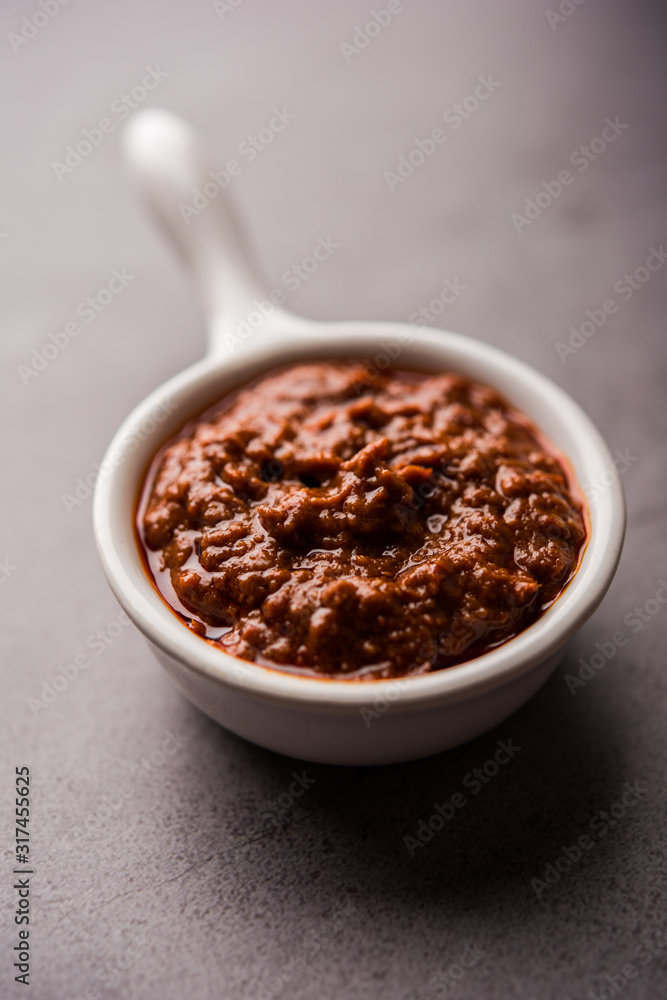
pixel 169 857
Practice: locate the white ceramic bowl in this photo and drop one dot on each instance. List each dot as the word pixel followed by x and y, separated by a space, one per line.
pixel 331 721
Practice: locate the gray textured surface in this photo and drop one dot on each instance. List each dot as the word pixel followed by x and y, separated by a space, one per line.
pixel 175 881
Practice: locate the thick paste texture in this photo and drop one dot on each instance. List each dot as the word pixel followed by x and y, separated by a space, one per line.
pixel 336 522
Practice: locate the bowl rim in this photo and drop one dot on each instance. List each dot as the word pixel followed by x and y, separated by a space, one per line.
pixel 127 458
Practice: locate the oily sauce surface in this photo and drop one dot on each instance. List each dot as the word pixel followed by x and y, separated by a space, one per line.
pixel 341 523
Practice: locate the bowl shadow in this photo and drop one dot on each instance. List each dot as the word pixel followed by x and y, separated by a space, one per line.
pixel 362 825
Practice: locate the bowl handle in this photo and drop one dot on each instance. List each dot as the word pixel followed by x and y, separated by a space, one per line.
pixel 169 165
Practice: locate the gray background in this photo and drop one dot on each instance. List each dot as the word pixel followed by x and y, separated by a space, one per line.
pixel 173 879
